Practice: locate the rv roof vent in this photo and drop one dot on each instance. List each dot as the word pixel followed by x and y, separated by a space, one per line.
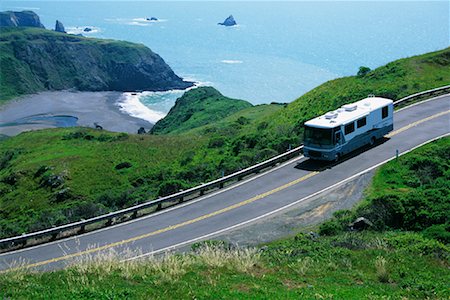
pixel 366 103
pixel 330 115
pixel 370 95
pixel 340 110
pixel 350 107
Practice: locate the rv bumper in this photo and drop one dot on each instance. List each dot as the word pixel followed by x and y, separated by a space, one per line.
pixel 319 154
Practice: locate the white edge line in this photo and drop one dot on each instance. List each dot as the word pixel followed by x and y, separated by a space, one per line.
pixel 173 247
pixel 190 202
pixel 421 102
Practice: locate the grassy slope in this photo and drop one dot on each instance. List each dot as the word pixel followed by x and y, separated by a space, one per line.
pixel 346 265
pixel 198 107
pixel 410 193
pixel 234 142
pixel 35 59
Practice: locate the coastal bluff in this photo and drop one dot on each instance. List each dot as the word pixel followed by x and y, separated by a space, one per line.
pixel 20 19
pixel 34 59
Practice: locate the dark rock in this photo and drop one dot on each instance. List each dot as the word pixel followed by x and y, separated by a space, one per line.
pixel 59 27
pixel 52 181
pixel 41 171
pixel 141 130
pixel 228 21
pixel 123 165
pixel 87 29
pixel 313 235
pixel 63 194
pixel 20 19
pixel 152 19
pixel 97 126
pixel 360 223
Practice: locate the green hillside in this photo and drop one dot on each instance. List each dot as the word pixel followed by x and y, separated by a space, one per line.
pixel 198 107
pixel 36 59
pixel 371 264
pixel 47 169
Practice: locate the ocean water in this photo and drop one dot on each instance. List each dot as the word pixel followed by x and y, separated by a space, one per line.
pixel 278 51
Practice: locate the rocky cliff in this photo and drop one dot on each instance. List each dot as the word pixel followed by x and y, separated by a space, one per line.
pixel 20 19
pixel 34 59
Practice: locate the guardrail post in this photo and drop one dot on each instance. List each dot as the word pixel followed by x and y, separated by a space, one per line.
pixel 134 215
pixel 202 192
pixel 221 185
pixel 54 236
pixel 82 229
pixel 181 200
pixel 159 206
pixel 109 222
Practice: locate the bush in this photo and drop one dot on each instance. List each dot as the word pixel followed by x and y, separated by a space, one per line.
pixel 330 227
pixel 170 187
pixel 438 232
pixel 363 71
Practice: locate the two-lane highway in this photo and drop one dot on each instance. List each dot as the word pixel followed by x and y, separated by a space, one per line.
pixel 244 202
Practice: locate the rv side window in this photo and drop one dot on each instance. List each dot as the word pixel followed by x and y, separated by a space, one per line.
pixel 361 122
pixel 349 128
pixel 384 112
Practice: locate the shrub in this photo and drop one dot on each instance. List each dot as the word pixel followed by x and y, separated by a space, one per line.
pixel 381 270
pixel 170 186
pixel 123 165
pixel 330 227
pixel 363 71
pixel 216 142
pixel 438 232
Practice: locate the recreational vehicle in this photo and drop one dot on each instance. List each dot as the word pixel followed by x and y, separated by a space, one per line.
pixel 330 136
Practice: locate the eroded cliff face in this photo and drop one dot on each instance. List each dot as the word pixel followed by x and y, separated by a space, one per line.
pixel 20 19
pixel 35 59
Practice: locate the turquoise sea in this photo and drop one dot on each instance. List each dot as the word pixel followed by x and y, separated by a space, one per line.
pixel 278 51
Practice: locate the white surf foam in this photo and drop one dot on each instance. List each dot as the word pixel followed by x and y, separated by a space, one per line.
pixel 231 61
pixel 131 105
pixel 80 29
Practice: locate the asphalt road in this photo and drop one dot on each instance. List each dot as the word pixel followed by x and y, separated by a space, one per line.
pixel 241 203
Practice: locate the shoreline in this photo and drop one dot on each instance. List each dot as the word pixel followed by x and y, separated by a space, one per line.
pixel 51 109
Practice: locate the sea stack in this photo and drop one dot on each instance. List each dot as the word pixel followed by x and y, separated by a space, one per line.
pixel 59 27
pixel 229 21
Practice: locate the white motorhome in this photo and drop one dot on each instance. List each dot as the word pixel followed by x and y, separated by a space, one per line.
pixel 330 136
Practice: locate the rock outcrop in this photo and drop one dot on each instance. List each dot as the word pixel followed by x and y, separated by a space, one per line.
pixel 20 19
pixel 46 60
pixel 59 27
pixel 229 21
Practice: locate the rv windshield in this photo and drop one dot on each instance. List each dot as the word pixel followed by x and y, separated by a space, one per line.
pixel 321 137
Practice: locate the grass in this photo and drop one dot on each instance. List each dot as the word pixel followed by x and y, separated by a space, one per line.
pixel 374 264
pixel 409 193
pixel 301 267
pixel 36 59
pixel 128 169
pixel 198 107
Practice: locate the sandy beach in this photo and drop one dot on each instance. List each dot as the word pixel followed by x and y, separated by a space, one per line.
pixel 64 108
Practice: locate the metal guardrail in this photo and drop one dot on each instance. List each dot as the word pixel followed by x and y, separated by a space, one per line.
pixel 53 233
pixel 434 92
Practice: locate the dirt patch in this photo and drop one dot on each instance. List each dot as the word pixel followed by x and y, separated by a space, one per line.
pixel 307 213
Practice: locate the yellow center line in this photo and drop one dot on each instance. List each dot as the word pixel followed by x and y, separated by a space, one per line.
pixel 210 215
pixel 395 132
pixel 172 227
